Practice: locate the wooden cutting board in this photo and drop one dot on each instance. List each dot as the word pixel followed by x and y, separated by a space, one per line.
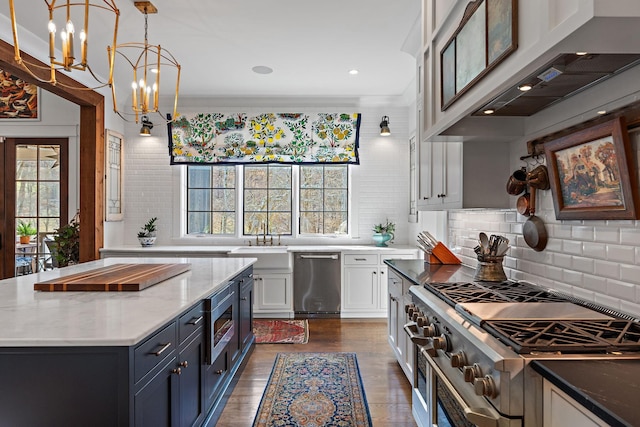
pixel 114 278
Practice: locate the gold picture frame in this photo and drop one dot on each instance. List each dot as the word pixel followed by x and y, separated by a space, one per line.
pixel 591 174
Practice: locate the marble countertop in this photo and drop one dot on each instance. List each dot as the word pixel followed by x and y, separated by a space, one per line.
pixel 44 319
pixel 419 272
pixel 608 388
pixel 232 249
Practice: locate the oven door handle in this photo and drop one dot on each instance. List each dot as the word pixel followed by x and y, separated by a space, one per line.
pixel 481 417
pixel 411 329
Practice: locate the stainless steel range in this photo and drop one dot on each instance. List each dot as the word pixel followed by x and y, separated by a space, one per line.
pixel 475 340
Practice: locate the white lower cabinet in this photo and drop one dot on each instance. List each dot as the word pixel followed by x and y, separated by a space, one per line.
pixel 364 283
pixel 273 295
pixel 560 410
pixel 398 297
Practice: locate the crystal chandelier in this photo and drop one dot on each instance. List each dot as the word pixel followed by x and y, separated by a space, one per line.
pixel 146 61
pixel 73 45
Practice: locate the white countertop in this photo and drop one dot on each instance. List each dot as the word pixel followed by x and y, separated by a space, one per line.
pixel 234 249
pixel 43 319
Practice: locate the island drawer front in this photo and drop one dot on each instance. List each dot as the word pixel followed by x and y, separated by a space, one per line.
pixel 153 351
pixel 361 259
pixel 191 322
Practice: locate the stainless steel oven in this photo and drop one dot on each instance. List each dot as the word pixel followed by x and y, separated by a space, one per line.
pixel 221 319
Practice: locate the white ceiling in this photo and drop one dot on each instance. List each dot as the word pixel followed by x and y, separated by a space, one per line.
pixel 311 46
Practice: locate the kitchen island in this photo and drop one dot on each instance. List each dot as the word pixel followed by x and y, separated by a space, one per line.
pixel 123 358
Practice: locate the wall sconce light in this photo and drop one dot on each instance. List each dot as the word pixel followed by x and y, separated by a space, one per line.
pixel 145 130
pixel 384 126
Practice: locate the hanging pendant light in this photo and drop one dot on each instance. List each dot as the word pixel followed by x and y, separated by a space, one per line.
pixel 147 62
pixel 73 44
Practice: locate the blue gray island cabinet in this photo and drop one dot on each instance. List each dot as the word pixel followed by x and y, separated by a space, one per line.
pixel 163 356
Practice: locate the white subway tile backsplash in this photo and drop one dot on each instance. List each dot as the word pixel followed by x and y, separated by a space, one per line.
pixel 594 260
pixel 621 254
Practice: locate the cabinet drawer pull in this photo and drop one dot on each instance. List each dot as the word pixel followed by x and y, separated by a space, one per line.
pixel 360 259
pixel 219 372
pixel 176 371
pixel 196 320
pixel 184 364
pixel 162 349
pixel 243 298
pixel 251 275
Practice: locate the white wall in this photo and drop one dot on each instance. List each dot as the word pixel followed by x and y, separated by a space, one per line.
pixel 379 184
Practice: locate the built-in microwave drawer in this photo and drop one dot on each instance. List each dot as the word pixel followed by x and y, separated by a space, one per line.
pixel 191 322
pixel 153 351
pixel 360 259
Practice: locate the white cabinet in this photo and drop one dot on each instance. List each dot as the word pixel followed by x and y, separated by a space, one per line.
pixel 560 410
pixel 440 174
pixel 364 282
pixel 398 298
pixel 273 295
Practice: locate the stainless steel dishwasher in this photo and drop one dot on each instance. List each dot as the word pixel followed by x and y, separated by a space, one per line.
pixel 316 284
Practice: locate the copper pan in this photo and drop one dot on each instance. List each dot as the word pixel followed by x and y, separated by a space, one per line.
pixel 533 230
pixel 539 178
pixel 523 204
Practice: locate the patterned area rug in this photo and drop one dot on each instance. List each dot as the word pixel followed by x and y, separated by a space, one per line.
pixel 314 390
pixel 270 331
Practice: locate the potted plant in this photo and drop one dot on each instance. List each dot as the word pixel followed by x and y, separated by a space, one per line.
pixel 147 237
pixel 383 232
pixel 25 230
pixel 66 249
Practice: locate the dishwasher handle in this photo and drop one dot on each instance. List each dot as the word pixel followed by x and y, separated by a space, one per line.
pixel 332 256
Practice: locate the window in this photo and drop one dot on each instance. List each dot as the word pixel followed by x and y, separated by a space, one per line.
pixel 267 199
pixel 323 199
pixel 211 200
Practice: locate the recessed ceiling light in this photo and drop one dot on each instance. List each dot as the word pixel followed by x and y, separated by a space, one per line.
pixel 581 53
pixel 525 87
pixel 601 112
pixel 489 111
pixel 353 72
pixel 262 69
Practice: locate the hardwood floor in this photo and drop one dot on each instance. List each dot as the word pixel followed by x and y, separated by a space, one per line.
pixel 387 390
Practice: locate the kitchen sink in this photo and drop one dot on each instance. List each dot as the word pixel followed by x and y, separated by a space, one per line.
pixel 269 257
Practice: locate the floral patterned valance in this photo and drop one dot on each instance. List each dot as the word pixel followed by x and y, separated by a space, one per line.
pixel 207 138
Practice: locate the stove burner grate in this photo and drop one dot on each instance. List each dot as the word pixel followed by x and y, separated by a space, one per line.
pixel 566 336
pixel 464 292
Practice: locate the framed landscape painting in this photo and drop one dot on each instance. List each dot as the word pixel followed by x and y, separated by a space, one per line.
pixel 591 174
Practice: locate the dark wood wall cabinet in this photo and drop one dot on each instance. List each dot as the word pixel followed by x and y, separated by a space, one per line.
pixel 165 380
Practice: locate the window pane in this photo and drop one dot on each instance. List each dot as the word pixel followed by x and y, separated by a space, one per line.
pixel 199 177
pixel 211 199
pixel 199 200
pixel 224 200
pixel 279 200
pixel 48 225
pixel 279 223
pixel 27 162
pixel 49 199
pixel 255 177
pixel 223 222
pixel 279 177
pixel 323 196
pixel 311 177
pixel 335 200
pixel 49 161
pixel 26 193
pixel 199 222
pixel 335 222
pixel 255 200
pixel 254 222
pixel 311 222
pixel 335 176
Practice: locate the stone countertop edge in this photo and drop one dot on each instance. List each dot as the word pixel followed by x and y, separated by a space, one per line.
pixel 229 249
pixel 64 319
pixel 422 273
pixel 607 388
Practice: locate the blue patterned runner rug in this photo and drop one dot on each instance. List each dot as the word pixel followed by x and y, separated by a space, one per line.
pixel 314 390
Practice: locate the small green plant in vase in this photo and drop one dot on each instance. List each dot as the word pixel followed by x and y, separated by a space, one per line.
pixel 147 237
pixel 25 230
pixel 383 232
